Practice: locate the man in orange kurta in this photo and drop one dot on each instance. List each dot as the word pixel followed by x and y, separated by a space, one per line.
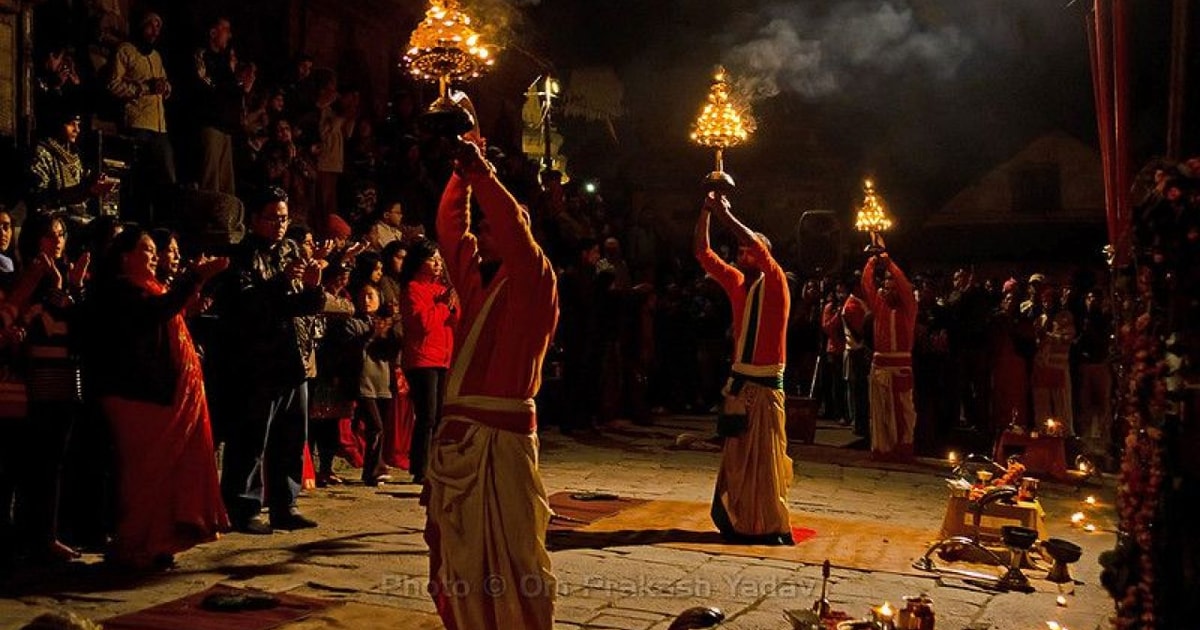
pixel 750 501
pixel 487 510
pixel 893 417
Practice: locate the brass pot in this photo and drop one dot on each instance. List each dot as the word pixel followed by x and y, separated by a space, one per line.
pixel 917 613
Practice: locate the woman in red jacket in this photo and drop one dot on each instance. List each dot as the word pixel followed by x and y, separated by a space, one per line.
pixel 429 312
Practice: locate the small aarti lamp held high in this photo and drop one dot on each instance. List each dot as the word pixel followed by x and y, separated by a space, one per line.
pixel 444 48
pixel 722 124
pixel 872 217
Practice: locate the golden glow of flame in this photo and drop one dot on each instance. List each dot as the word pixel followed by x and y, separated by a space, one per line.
pixel 886 611
pixel 723 122
pixel 1089 528
pixel 444 46
pixel 1077 518
pixel 1053 625
pixel 1061 601
pixel 872 213
pixel 952 457
pixel 1090 500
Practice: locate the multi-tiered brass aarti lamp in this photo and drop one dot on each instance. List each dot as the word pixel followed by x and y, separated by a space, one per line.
pixel 872 216
pixel 722 124
pixel 445 48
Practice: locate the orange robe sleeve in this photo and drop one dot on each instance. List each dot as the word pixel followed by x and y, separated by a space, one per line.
pixel 459 247
pixel 895 327
pixel 730 279
pixel 506 359
pixel 771 341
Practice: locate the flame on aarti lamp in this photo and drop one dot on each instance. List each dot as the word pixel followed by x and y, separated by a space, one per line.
pixel 872 214
pixel 444 46
pixel 723 122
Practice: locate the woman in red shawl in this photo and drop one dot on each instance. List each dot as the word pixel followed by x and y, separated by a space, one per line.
pixel 151 391
pixel 1011 344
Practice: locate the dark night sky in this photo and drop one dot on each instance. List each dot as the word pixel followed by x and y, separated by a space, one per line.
pixel 929 94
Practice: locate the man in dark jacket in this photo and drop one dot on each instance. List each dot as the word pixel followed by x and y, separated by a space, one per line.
pixel 267 301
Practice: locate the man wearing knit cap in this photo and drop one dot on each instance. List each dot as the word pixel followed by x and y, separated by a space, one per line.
pixel 138 79
pixel 1031 308
pixel 1010 286
pixel 337 229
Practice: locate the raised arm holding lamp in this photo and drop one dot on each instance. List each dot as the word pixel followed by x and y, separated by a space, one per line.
pixel 889 295
pixel 487 509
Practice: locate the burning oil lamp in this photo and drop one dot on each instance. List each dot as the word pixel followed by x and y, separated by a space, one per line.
pixel 444 48
pixel 722 124
pixel 884 616
pixel 872 216
pixel 952 457
pixel 1078 518
pixel 1091 500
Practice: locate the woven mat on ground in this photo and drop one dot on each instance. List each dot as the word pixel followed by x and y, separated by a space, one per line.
pixel 573 510
pixel 186 612
pixel 863 545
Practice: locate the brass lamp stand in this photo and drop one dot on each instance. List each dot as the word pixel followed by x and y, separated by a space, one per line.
pixel 722 124
pixel 445 48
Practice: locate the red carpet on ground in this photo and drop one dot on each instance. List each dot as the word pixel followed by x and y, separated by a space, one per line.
pixel 188 612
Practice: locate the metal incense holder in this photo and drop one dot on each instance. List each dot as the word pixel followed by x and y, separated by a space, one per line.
pixel 1064 553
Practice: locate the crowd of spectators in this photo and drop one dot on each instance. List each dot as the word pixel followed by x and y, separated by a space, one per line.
pixel 988 355
pixel 300 229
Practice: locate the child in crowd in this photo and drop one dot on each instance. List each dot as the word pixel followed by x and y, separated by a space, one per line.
pixel 377 332
pixel 329 399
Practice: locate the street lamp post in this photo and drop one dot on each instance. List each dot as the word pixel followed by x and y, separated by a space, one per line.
pixel 547 92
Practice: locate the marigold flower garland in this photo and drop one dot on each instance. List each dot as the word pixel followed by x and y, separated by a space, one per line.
pixel 1144 405
pixel 1143 400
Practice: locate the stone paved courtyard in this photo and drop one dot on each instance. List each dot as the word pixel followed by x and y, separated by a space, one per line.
pixel 369 548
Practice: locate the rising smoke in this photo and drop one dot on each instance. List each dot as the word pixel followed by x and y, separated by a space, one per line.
pixel 815 53
pixel 927 93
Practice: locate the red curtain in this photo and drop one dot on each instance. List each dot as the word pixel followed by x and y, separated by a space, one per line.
pixel 1109 45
